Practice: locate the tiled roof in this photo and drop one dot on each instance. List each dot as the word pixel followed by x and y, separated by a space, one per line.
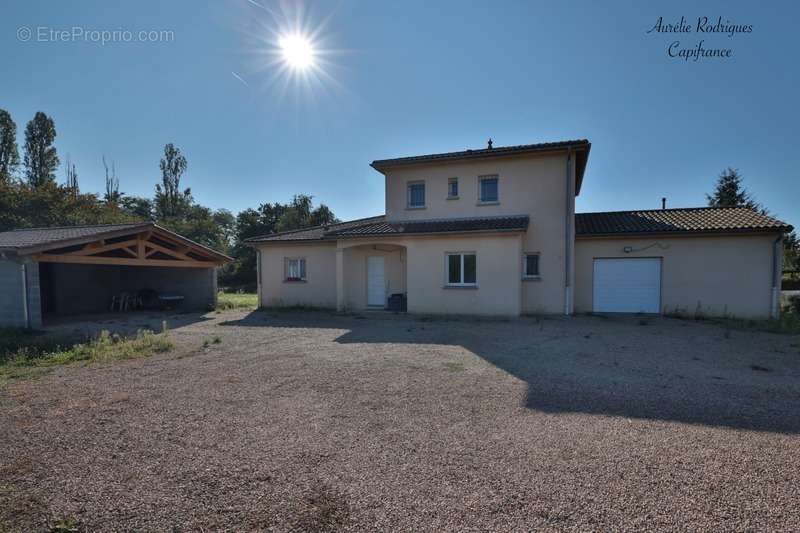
pixel 686 220
pixel 378 226
pixel 485 152
pixel 500 223
pixel 30 240
pixel 313 234
pixel 26 238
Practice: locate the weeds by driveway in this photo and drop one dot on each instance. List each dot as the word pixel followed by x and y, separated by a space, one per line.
pixel 306 421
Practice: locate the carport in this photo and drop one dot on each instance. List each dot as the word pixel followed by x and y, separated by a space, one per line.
pixel 76 270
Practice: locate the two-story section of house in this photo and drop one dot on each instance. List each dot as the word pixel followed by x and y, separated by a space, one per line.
pixel 493 232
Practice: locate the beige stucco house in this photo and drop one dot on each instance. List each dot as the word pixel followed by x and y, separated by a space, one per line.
pixel 494 232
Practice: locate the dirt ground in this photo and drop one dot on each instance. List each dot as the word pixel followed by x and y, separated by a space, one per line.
pixel 307 421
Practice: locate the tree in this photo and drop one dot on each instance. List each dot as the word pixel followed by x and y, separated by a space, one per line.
pixel 72 177
pixel 730 192
pixel 112 196
pixel 169 200
pixel 9 155
pixel 41 160
pixel 137 207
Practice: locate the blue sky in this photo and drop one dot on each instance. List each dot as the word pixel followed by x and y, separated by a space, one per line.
pixel 412 77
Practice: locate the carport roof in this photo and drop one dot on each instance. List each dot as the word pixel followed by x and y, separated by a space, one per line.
pixel 677 221
pixel 33 240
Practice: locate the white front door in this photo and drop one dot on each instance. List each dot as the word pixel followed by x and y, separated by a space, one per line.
pixel 627 285
pixel 376 281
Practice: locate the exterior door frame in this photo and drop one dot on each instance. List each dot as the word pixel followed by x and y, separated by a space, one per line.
pixel 383 287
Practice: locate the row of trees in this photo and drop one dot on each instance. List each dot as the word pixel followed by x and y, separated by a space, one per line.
pixel 31 197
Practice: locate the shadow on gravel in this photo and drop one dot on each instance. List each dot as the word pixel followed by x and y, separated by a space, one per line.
pixel 568 369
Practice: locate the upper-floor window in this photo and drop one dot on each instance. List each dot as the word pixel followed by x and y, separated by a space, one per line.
pixel 488 189
pixel 452 188
pixel 416 194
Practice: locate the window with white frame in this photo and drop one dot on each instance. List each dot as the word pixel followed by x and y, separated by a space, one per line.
pixel 452 188
pixel 296 269
pixel 416 194
pixel 488 189
pixel 461 269
pixel 530 266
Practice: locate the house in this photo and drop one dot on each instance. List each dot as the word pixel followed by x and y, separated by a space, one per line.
pixel 79 269
pixel 494 232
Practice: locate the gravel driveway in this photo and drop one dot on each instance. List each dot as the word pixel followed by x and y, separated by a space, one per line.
pixel 313 422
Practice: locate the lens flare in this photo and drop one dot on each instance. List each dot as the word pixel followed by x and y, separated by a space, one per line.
pixel 296 51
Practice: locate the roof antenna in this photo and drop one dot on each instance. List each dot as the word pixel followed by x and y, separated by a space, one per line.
pixel 663 203
pixel 490 143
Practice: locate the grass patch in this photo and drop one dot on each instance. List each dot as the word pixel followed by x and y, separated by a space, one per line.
pixel 455 366
pixel 788 323
pixel 29 354
pixel 236 300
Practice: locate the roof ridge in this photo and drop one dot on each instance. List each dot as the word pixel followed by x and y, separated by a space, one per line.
pixel 39 228
pixel 658 210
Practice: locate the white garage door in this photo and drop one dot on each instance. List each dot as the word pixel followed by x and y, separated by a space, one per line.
pixel 627 285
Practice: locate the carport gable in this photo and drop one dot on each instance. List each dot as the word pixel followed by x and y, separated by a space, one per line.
pixel 144 244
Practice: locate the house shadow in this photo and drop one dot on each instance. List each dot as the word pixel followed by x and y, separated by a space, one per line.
pixel 591 365
pixel 121 323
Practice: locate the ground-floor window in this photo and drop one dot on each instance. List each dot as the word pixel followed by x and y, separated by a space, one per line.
pixel 461 269
pixel 295 269
pixel 530 265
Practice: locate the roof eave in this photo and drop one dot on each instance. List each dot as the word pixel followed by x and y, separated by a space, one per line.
pixel 382 164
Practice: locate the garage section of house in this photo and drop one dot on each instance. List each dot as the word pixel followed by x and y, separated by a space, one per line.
pixel 66 271
pixel 692 261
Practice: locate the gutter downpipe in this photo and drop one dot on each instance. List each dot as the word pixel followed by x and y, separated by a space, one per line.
pixel 567 244
pixel 776 291
pixel 25 310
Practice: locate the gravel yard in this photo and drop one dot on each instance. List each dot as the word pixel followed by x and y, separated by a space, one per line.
pixel 308 421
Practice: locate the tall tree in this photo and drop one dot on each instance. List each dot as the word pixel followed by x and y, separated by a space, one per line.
pixel 169 200
pixel 730 192
pixel 791 252
pixel 41 160
pixel 9 155
pixel 112 196
pixel 72 177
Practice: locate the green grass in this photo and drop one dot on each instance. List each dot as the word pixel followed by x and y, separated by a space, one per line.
pixel 788 323
pixel 236 300
pixel 25 354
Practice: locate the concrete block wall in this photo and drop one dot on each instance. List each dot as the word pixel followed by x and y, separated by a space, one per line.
pixel 12 298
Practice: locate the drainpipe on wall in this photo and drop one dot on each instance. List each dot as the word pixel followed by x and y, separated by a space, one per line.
pixel 567 241
pixel 775 307
pixel 25 311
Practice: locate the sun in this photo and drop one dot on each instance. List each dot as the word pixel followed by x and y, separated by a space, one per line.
pixel 296 51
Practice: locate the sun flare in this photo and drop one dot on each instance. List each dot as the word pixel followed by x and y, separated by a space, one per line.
pixel 297 51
